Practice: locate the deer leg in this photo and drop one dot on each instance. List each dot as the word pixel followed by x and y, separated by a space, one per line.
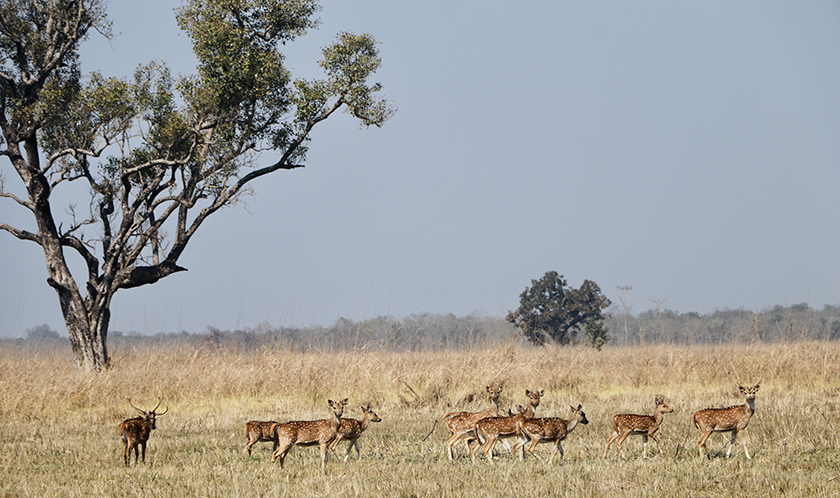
pixel 325 455
pixel 702 443
pixel 619 442
pixel 355 445
pixel 126 453
pixel 644 446
pixel 488 448
pixel 533 446
pixel 452 442
pixel 143 451
pixel 557 447
pixel 731 443
pixel 281 454
pixel 656 438
pixel 612 438
pixel 744 442
pixel 349 447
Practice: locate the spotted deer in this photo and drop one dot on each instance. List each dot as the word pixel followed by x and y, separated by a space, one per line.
pixel 490 429
pixel 308 433
pixel 462 424
pixel 134 432
pixel 626 424
pixel 547 430
pixel 260 432
pixel 350 430
pixel 733 419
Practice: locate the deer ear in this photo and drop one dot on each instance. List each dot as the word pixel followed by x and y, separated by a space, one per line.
pixel 527 392
pixel 344 401
pixel 542 393
pixel 488 389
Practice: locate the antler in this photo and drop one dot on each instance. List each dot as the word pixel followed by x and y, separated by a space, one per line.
pixel 160 400
pixel 138 409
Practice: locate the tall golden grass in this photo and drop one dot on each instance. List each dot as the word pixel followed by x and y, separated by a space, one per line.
pixel 58 426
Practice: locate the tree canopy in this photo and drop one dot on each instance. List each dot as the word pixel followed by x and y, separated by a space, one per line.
pixel 158 154
pixel 551 310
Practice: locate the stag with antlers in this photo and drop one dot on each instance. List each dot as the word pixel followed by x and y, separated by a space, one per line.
pixel 628 424
pixel 733 419
pixel 135 431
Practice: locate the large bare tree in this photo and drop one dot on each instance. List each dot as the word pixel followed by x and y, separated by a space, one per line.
pixel 158 155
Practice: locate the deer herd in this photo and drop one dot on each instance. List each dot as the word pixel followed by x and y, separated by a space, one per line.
pixel 479 430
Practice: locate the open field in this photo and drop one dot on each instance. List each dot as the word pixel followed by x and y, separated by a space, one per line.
pixel 58 427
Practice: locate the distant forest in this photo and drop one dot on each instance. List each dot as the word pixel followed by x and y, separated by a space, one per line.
pixel 428 332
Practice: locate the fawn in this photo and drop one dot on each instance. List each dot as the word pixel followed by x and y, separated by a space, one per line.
pixel 350 429
pixel 308 433
pixel 462 424
pixel 733 419
pixel 547 430
pixel 258 431
pixel 627 424
pixel 490 429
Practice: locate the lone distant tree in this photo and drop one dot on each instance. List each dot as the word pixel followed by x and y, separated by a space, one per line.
pixel 157 154
pixel 551 310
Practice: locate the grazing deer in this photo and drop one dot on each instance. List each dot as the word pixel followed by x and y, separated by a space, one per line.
pixel 308 433
pixel 461 424
pixel 260 432
pixel 627 424
pixel 351 429
pixel 490 429
pixel 547 430
pixel 733 419
pixel 135 431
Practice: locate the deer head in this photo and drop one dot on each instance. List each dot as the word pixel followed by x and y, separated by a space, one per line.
pixel 150 415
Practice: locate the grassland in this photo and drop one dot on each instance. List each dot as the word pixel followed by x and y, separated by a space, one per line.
pixel 58 427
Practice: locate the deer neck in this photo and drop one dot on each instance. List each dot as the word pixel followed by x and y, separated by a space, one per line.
pixel 657 418
pixel 495 407
pixel 335 422
pixel 749 407
pixel 365 422
pixel 529 412
pixel 571 424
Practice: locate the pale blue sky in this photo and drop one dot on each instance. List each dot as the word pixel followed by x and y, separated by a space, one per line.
pixel 687 149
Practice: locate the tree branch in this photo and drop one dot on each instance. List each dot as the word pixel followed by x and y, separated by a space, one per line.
pixel 21 234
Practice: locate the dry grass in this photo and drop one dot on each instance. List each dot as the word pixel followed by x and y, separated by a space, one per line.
pixel 58 427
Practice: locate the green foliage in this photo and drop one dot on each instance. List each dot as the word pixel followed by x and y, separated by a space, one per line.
pixel 551 310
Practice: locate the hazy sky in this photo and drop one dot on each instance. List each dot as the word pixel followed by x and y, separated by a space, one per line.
pixel 687 149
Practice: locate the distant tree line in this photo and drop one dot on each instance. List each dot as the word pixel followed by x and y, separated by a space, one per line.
pixel 429 332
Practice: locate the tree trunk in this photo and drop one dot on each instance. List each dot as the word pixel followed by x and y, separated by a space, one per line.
pixel 87 328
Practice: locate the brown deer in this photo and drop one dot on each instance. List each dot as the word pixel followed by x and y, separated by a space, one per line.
pixel 260 432
pixel 135 432
pixel 461 424
pixel 547 430
pixel 490 429
pixel 627 424
pixel 351 429
pixel 733 419
pixel 308 433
